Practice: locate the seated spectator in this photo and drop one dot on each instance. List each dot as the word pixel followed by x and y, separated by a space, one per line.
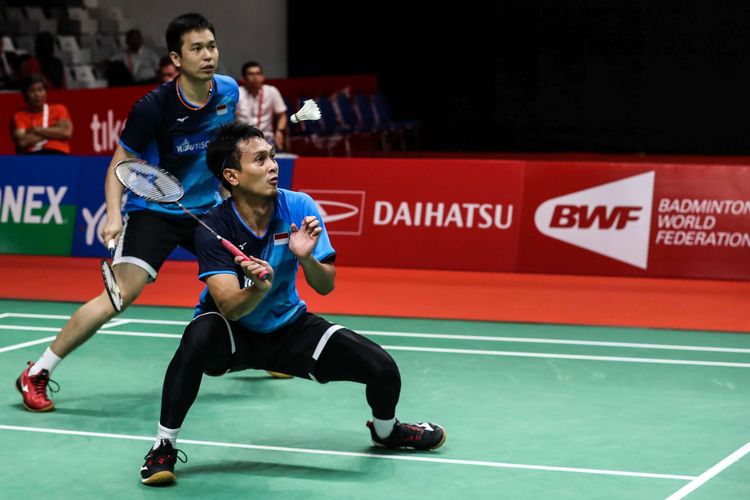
pixel 140 61
pixel 261 105
pixel 44 62
pixel 41 128
pixel 167 71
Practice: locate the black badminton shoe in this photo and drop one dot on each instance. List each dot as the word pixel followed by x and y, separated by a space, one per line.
pixel 421 436
pixel 159 466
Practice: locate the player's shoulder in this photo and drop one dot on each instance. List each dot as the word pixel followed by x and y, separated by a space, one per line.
pixel 157 97
pixel 226 85
pixel 294 199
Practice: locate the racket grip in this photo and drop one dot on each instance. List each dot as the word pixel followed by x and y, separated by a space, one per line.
pixel 238 253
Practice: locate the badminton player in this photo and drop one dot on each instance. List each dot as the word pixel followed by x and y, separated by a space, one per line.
pixel 169 127
pixel 245 322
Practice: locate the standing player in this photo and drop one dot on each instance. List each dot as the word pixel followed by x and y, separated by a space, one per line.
pixel 245 322
pixel 170 127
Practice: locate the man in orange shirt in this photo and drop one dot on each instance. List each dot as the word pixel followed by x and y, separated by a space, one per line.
pixel 41 128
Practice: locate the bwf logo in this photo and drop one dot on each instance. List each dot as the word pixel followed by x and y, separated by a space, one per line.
pixel 612 219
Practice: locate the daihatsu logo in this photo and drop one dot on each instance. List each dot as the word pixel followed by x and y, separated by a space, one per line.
pixel 342 211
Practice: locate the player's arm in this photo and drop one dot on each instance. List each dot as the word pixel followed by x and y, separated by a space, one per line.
pixel 62 130
pixel 235 302
pixel 113 197
pixel 320 276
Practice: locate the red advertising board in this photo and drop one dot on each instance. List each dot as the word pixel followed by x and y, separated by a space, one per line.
pixel 636 219
pixel 430 214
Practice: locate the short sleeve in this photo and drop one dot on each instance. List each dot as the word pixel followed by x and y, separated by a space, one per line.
pixel 62 112
pixel 278 102
pixel 324 249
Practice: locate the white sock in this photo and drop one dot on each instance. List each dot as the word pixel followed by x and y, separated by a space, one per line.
pixel 165 433
pixel 48 361
pixel 383 428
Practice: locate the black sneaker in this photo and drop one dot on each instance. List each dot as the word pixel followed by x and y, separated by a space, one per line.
pixel 421 436
pixel 159 466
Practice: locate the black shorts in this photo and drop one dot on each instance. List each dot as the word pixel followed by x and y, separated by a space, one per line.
pixel 293 349
pixel 149 237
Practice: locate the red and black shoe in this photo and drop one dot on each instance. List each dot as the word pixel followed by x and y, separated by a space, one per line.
pixel 159 466
pixel 34 390
pixel 421 436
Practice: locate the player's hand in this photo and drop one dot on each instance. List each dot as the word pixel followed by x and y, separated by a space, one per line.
pixel 253 268
pixel 302 241
pixel 112 228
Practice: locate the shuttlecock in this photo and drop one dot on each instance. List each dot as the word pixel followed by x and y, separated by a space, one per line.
pixel 309 111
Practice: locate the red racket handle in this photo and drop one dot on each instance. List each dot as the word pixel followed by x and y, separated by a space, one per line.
pixel 238 253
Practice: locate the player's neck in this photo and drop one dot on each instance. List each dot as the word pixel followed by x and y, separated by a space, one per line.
pixel 255 211
pixel 194 90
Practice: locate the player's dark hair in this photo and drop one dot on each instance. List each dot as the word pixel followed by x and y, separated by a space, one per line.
pixel 250 64
pixel 224 152
pixel 183 24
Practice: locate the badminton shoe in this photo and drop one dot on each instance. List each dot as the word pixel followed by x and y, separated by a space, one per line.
pixel 159 466
pixel 34 390
pixel 421 436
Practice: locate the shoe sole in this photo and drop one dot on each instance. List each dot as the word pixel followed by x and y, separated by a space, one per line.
pixel 163 477
pixel 34 410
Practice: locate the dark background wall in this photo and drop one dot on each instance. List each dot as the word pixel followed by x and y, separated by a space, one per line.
pixel 659 76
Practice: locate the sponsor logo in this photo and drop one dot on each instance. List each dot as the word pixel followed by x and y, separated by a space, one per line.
pixel 24 204
pixel 106 132
pixel 612 219
pixel 443 215
pixel 95 221
pixel 191 144
pixel 342 211
pixel 181 120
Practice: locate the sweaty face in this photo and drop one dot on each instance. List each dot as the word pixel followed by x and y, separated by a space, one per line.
pixel 199 56
pixel 259 175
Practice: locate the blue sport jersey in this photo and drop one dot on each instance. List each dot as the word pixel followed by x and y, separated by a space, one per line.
pixel 165 129
pixel 282 304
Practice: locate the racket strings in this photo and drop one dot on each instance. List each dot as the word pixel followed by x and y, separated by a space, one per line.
pixel 149 182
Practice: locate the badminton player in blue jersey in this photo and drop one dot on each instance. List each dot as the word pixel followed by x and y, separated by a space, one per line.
pixel 170 127
pixel 243 321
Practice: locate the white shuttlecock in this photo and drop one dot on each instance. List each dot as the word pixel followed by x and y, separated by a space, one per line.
pixel 309 111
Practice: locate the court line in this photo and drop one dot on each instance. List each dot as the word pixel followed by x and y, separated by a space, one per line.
pixel 518 354
pixel 4 315
pixel 484 338
pixel 408 458
pixel 26 344
pixel 710 473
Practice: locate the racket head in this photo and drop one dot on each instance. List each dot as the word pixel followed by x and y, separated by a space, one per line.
pixel 110 284
pixel 149 181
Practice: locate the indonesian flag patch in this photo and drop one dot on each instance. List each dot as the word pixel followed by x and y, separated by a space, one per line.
pixel 221 109
pixel 280 239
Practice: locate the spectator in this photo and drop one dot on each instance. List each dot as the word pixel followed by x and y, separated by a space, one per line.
pixel 140 61
pixel 41 128
pixel 167 71
pixel 262 106
pixel 44 62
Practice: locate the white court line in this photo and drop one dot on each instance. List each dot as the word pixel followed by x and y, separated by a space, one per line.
pixel 26 344
pixel 4 315
pixel 115 322
pixel 710 473
pixel 517 354
pixel 485 338
pixel 567 356
pixel 408 458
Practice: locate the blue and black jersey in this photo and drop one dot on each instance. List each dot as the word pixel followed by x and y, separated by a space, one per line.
pixel 282 304
pixel 165 129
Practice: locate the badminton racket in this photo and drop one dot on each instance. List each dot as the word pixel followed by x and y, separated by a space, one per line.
pixel 110 283
pixel 156 184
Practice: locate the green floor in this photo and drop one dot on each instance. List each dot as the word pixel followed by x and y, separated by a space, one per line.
pixel 524 419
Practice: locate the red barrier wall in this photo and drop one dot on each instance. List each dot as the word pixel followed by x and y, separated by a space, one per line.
pixel 626 219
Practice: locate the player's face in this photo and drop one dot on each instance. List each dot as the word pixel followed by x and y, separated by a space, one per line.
pixel 259 175
pixel 199 56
